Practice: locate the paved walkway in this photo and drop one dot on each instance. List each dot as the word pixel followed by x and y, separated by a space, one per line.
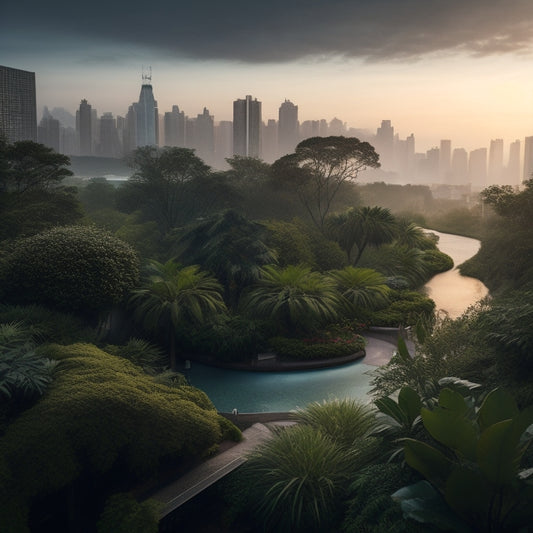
pixel 379 349
pixel 204 475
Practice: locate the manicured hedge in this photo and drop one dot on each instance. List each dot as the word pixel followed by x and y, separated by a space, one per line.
pixel 407 308
pixel 302 350
pixel 100 413
pixel 74 268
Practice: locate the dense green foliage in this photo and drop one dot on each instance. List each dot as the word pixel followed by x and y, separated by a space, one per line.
pixel 309 349
pixel 103 414
pixel 32 198
pixel 294 296
pixel 504 259
pixel 123 514
pixel 76 268
pixel 406 308
pixel 298 479
pixel 172 298
pixel 476 468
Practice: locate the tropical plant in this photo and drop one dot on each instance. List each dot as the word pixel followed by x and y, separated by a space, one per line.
pixel 24 375
pixel 298 479
pixel 307 349
pixel 295 296
pixel 478 473
pixel 141 353
pixel 173 296
pixel 413 236
pixel 346 421
pixel 362 287
pixel 360 227
pixel 231 247
pixel 76 268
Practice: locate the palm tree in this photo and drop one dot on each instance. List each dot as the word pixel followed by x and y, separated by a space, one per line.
pixel 295 296
pixel 362 287
pixel 413 236
pixel 23 373
pixel 360 227
pixel 174 296
pixel 230 246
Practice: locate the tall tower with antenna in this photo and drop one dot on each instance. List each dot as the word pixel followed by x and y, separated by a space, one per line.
pixel 146 112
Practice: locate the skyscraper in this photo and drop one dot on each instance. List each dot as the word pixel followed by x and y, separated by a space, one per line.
pixel 85 128
pixel 513 168
pixel 288 128
pixel 385 144
pixel 204 137
pixel 460 165
pixel 445 160
pixel 18 111
pixel 247 127
pixel 48 130
pixel 175 121
pixel 528 159
pixel 495 172
pixel 147 115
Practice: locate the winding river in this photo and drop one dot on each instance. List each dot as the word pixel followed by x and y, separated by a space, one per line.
pixel 451 292
pixel 284 391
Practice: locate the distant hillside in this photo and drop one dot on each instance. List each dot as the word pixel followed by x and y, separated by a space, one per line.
pixel 92 167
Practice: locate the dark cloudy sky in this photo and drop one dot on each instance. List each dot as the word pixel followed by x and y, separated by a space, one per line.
pixel 458 69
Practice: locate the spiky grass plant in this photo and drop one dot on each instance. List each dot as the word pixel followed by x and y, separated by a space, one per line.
pixel 345 421
pixel 299 478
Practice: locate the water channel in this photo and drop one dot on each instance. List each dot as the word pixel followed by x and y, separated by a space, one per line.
pixel 284 391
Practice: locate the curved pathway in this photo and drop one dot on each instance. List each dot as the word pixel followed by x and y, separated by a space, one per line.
pixel 379 349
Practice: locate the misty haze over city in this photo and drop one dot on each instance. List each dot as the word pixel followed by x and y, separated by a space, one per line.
pixel 441 70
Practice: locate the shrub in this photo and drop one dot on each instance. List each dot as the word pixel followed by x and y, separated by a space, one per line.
pixel 49 325
pixel 74 268
pixel 407 308
pixel 123 514
pixel 345 421
pixel 142 353
pixel 308 349
pixel 437 262
pixel 371 508
pixel 298 479
pixel 101 414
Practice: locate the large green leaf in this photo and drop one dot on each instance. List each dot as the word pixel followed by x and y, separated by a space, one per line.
pixel 403 351
pixel 469 495
pixel 501 446
pixel 449 425
pixel 423 503
pixel 389 407
pixel 410 403
pixel 497 406
pixel 427 460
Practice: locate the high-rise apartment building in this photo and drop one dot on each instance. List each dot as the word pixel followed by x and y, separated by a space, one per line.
pixel 288 128
pixel 495 170
pixel 385 144
pixel 477 168
pixel 174 127
pixel 204 137
pixel 147 115
pixel 18 110
pixel 445 160
pixel 223 143
pixel 110 145
pixel 459 166
pixel 270 150
pixel 528 159
pixel 48 131
pixel 247 127
pixel 513 167
pixel 84 124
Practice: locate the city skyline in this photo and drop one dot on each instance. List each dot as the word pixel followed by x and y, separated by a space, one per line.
pixel 439 70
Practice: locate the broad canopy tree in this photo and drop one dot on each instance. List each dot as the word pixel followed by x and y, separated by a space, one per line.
pixel 159 181
pixel 32 197
pixel 319 167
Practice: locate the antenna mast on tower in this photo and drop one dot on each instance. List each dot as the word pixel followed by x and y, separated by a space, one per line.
pixel 147 77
